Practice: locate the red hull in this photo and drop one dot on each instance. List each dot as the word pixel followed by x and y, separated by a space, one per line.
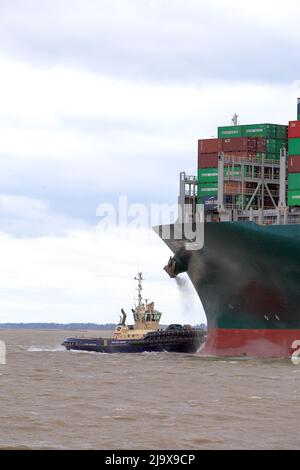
pixel 253 343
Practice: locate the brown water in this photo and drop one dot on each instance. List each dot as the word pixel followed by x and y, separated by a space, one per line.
pixel 51 398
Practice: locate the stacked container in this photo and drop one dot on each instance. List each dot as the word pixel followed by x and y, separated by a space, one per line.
pixel 273 138
pixel 248 142
pixel 294 164
pixel 208 150
pixel 244 148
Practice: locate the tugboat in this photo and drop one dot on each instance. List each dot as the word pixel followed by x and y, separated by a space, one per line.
pixel 144 335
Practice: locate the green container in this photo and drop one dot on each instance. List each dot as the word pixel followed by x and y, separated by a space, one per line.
pixel 280 143
pixel 233 172
pixel 267 131
pixel 230 131
pixel 207 175
pixel 271 145
pixel 207 189
pixel 281 132
pixel 294 146
pixel 210 175
pixel 294 181
pixel 294 198
pixel 272 156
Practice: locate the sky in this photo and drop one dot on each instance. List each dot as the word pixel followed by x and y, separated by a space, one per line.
pixel 107 98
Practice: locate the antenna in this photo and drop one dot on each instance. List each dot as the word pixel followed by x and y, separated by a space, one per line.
pixel 234 119
pixel 139 278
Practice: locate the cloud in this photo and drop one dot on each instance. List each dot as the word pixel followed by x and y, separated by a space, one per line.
pixel 75 138
pixel 60 269
pixel 27 217
pixel 84 277
pixel 168 40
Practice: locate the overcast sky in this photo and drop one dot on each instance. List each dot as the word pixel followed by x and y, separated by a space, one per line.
pixel 102 98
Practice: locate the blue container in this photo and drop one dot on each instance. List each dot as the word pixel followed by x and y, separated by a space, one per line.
pixel 210 202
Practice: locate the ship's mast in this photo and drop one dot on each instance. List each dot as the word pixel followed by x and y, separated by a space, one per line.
pixel 140 279
pixel 234 119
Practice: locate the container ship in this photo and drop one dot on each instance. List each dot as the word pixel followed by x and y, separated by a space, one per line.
pixel 247 272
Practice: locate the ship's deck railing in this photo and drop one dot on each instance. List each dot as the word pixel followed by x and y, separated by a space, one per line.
pixel 191 178
pixel 294 218
pixel 191 194
pixel 249 178
pixel 245 213
pixel 238 206
pixel 247 192
pixel 251 160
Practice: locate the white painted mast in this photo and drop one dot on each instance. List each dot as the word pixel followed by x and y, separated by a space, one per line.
pixel 139 278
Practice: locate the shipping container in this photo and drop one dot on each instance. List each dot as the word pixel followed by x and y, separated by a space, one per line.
pixel 239 144
pixel 230 131
pixel 208 146
pixel 294 146
pixel 298 110
pixel 294 129
pixel 209 202
pixel 207 188
pixel 207 175
pixel 294 198
pixel 272 156
pixel 294 164
pixel 230 171
pixel 271 146
pixel 294 181
pixel 260 130
pixel 281 143
pixel 232 187
pixel 261 144
pixel 208 160
pixel 281 131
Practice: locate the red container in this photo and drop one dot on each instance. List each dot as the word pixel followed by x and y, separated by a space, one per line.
pixel 251 144
pixel 261 145
pixel 208 146
pixel 232 187
pixel 208 160
pixel 239 144
pixel 236 144
pixel 294 163
pixel 294 129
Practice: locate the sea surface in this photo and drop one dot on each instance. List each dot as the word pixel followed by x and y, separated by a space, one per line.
pixel 57 399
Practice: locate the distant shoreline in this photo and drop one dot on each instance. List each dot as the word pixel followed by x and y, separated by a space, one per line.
pixel 57 326
pixel 65 326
